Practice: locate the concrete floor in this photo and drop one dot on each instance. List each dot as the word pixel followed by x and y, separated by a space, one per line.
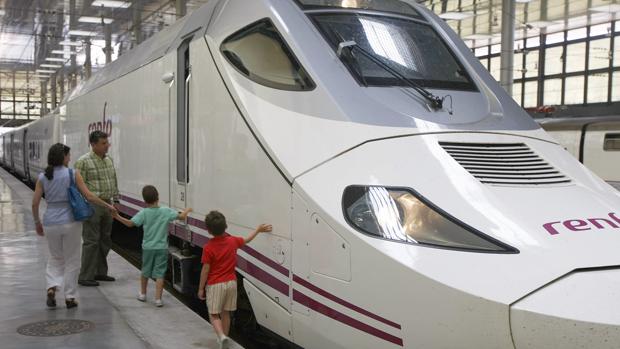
pixel 120 321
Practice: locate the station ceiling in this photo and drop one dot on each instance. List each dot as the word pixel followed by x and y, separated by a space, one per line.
pixel 31 31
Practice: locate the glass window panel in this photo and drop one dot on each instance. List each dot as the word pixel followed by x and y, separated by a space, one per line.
pixel 482 51
pixel 485 63
pixel 495 61
pixel 575 34
pixel 533 42
pixel 517 66
pixel 599 54
pixel 496 49
pixel 531 93
pixel 519 45
pixel 553 60
pixel 554 38
pixel 615 87
pixel 531 64
pixel 552 93
pixel 516 92
pixel 573 91
pixel 597 88
pixel 617 26
pixel 616 51
pixel 575 57
pixel 600 29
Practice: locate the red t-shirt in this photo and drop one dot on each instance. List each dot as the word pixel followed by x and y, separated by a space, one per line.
pixel 221 255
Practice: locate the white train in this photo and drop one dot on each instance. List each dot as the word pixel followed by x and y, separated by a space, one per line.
pixel 595 141
pixel 414 204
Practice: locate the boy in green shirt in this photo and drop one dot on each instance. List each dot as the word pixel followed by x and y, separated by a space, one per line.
pixel 155 220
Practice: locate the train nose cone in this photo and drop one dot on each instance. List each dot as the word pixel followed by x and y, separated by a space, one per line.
pixel 580 310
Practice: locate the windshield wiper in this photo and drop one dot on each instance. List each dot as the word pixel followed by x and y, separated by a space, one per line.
pixel 436 102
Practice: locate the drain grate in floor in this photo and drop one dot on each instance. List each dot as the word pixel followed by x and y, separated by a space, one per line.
pixel 53 328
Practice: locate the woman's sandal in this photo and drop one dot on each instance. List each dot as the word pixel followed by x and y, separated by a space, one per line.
pixel 71 303
pixel 51 297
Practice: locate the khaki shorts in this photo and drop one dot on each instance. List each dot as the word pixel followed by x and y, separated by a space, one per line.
pixel 222 296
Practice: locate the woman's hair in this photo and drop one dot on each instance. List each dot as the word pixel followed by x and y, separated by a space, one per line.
pixel 55 157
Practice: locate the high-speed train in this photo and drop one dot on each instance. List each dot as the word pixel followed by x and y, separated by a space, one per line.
pixel 414 203
pixel 595 141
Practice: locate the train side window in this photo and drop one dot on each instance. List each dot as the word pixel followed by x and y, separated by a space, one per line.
pixel 259 52
pixel 612 142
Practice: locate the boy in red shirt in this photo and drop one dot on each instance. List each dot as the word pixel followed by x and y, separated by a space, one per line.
pixel 219 258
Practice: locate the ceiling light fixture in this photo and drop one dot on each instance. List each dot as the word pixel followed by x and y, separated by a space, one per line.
pixel 95 20
pixel 50 65
pixel 478 37
pixel 62 52
pixel 111 3
pixel 55 59
pixel 70 43
pixel 457 16
pixel 45 71
pixel 606 8
pixel 77 32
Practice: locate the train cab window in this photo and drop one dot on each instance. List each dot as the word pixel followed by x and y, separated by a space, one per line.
pixel 260 53
pixel 612 142
pixel 395 6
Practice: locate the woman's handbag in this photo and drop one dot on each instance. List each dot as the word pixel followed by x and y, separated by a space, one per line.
pixel 82 210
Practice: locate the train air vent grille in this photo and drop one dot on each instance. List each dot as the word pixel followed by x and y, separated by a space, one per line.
pixel 504 163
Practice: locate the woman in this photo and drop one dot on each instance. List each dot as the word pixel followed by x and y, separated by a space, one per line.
pixel 63 232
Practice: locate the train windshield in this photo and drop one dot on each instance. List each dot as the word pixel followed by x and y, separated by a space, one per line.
pixel 409 47
pixel 394 6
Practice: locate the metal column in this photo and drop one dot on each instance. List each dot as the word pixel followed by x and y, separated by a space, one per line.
pixel 43 98
pixel 181 8
pixel 508 43
pixel 88 67
pixel 53 91
pixel 137 22
pixel 107 33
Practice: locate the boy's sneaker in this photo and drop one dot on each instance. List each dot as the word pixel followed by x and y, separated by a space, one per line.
pixel 224 342
pixel 141 297
pixel 159 303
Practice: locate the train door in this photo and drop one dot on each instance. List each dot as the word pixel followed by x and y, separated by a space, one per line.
pixel 25 155
pixel 11 145
pixel 181 155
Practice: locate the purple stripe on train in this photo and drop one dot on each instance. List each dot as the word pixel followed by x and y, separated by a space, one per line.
pixel 345 319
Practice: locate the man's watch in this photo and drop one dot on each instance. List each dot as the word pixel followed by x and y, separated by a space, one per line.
pixel 116 201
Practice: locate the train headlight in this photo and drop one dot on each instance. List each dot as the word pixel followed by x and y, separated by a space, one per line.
pixel 401 215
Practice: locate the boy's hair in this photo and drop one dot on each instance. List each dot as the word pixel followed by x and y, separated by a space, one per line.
pixel 216 223
pixel 150 194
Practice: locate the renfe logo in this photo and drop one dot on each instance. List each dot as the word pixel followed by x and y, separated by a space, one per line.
pixel 584 224
pixel 105 125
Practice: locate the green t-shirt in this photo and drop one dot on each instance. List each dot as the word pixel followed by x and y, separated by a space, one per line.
pixel 155 221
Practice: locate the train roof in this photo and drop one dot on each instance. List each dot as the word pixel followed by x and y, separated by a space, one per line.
pixel 150 50
pixel 578 123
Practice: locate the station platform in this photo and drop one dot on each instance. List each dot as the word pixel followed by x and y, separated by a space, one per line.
pixel 108 316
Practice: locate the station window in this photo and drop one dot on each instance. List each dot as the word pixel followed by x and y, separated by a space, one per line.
pixel 553 60
pixel 260 53
pixel 575 57
pixel 615 87
pixel 599 54
pixel 597 88
pixel 612 142
pixel 530 94
pixel 516 92
pixel 573 90
pixel 552 92
pixel 531 64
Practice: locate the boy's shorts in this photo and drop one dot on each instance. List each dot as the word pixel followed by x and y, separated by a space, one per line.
pixel 222 296
pixel 154 263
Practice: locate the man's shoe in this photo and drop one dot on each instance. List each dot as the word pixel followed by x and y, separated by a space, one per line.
pixel 104 278
pixel 88 283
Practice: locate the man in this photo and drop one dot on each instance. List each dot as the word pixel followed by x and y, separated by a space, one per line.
pixel 99 174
